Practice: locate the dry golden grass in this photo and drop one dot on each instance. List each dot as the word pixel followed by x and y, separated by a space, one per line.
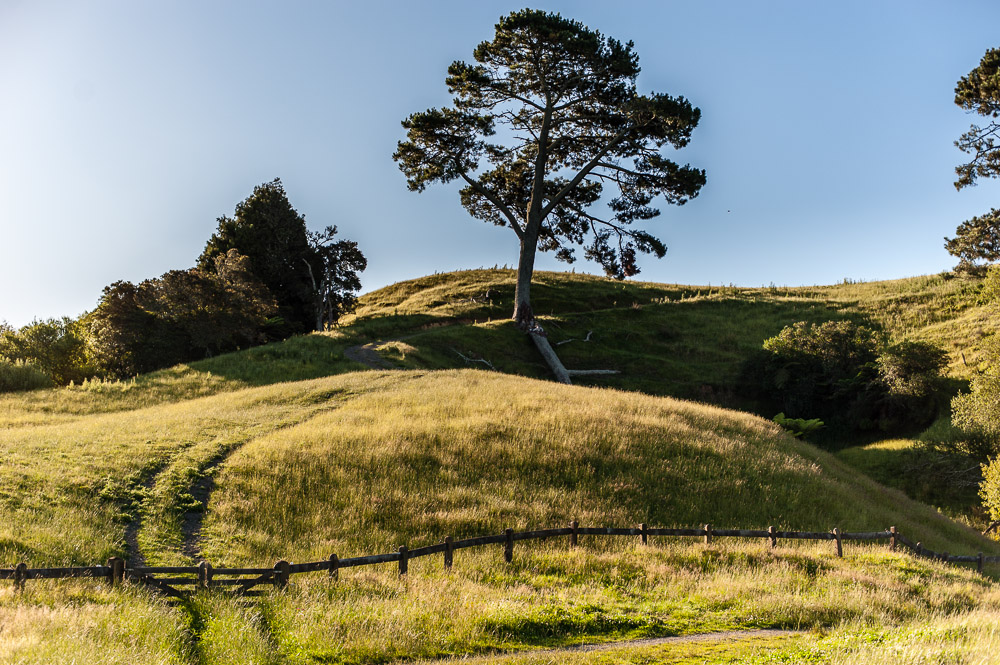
pixel 467 452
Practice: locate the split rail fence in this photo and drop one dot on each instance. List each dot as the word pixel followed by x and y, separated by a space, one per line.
pixel 167 579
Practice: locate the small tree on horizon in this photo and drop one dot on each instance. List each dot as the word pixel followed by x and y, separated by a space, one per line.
pixel 546 120
pixel 333 273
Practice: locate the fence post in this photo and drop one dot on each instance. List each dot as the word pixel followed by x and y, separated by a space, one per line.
pixel 404 556
pixel 282 571
pixel 893 538
pixel 576 530
pixel 836 537
pixel 20 575
pixel 204 574
pixel 979 563
pixel 642 532
pixel 449 553
pixel 334 570
pixel 117 573
pixel 508 546
pixel 708 534
pixel 774 539
pixel 919 549
pixel 944 557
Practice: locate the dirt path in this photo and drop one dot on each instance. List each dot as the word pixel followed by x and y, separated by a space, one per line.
pixel 192 520
pixel 135 557
pixel 722 636
pixel 367 355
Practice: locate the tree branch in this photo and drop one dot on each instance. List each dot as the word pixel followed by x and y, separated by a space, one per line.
pixel 585 170
pixel 495 200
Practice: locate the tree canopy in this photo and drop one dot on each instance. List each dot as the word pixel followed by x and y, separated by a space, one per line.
pixel 978 239
pixel 271 234
pixel 182 315
pixel 545 124
pixel 333 274
pixel 979 92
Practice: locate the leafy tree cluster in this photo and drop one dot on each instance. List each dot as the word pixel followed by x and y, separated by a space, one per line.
pixel 848 375
pixel 182 315
pixel 334 278
pixel 313 278
pixel 55 347
pixel 262 276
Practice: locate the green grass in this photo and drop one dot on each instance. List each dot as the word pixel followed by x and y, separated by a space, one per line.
pixel 682 341
pixel 311 456
pixel 460 452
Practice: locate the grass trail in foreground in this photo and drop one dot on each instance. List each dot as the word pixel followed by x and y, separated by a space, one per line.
pixel 67 490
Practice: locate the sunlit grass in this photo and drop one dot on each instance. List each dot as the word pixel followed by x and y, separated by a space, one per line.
pixel 68 489
pixel 550 596
pixel 468 452
pixel 85 623
pixel 364 462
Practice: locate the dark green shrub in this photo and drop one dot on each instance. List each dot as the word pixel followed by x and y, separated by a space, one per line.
pixel 181 316
pixel 17 375
pixel 910 373
pixel 845 374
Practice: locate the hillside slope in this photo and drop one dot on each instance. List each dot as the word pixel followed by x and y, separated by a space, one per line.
pixel 683 341
pixel 363 462
pixel 292 451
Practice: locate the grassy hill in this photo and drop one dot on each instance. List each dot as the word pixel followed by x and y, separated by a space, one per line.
pixel 683 341
pixel 293 451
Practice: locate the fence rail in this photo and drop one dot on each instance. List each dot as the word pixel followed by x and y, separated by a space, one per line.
pixel 204 576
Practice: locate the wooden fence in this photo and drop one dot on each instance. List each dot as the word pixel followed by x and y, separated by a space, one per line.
pixel 166 579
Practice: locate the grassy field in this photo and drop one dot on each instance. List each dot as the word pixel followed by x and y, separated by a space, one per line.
pixel 308 454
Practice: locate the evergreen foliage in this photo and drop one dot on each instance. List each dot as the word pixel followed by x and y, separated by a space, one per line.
pixel 979 92
pixel 333 275
pixel 546 118
pixel 978 239
pixel 271 234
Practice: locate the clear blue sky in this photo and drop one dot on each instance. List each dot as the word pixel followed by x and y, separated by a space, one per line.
pixel 127 128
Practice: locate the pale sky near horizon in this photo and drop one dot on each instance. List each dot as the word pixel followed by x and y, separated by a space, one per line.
pixel 127 128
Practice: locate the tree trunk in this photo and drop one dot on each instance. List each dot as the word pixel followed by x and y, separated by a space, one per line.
pixel 551 359
pixel 523 314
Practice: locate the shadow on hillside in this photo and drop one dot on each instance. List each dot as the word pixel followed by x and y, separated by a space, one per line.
pixel 691 348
